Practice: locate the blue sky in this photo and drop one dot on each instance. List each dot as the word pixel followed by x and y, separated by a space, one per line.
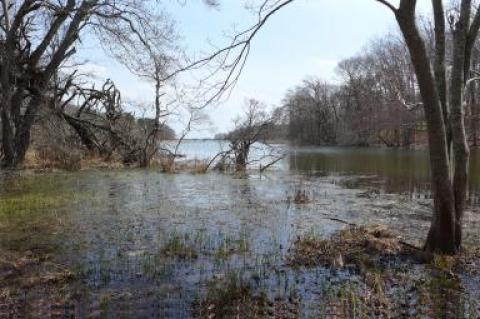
pixel 307 38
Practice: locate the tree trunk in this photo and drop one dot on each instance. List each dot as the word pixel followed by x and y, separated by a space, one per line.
pixel 8 143
pixel 474 116
pixel 457 118
pixel 441 237
pixel 16 130
pixel 87 138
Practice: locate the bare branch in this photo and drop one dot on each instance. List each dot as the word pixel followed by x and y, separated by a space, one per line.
pixel 388 5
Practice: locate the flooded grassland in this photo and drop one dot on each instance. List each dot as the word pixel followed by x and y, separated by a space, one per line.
pixel 138 243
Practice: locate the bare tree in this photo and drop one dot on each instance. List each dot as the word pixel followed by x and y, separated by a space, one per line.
pixel 313 109
pixel 152 54
pixel 37 37
pixel 444 110
pixel 251 131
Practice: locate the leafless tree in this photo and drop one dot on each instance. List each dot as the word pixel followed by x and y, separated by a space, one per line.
pixel 36 39
pixel 313 110
pixel 152 54
pixel 444 109
pixel 251 131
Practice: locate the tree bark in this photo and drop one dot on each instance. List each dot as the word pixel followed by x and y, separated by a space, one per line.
pixel 457 116
pixel 7 139
pixel 441 237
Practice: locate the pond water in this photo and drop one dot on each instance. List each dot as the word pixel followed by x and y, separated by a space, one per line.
pixel 142 244
pixel 400 170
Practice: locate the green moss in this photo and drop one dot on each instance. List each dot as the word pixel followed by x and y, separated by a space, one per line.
pixel 31 202
pixel 33 194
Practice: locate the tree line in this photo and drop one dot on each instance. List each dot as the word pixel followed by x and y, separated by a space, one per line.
pixel 375 102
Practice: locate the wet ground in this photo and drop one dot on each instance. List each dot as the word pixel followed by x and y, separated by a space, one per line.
pixel 141 244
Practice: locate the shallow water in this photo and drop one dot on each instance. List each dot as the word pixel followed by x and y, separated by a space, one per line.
pixel 405 171
pixel 146 244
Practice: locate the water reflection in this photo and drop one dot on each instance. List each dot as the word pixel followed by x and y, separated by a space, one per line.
pixel 402 171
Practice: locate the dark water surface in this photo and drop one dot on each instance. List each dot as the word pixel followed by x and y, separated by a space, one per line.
pixel 402 170
pixel 143 244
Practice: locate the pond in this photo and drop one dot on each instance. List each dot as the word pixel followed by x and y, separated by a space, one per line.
pixel 142 244
pixel 400 170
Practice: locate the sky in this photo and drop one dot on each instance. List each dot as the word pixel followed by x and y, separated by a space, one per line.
pixel 307 38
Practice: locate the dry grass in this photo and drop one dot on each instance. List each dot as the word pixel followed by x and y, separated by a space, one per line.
pixel 170 166
pixel 95 161
pixel 48 159
pixel 389 285
pixel 34 285
pixel 30 270
pixel 354 245
pixel 51 159
pixel 167 165
pixel 301 197
pixel 467 262
pixel 200 167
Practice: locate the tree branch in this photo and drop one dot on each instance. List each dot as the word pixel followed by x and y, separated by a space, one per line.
pixel 388 5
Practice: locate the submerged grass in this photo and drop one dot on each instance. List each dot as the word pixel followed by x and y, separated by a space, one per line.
pixel 232 297
pixel 32 194
pixel 178 246
pixel 33 202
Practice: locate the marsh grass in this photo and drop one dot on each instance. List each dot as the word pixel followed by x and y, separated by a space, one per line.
pixel 219 246
pixel 231 298
pixel 230 246
pixel 388 279
pixel 235 296
pixel 33 194
pixel 33 203
pixel 178 246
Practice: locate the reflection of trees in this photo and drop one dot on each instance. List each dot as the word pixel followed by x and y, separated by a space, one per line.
pixel 404 171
